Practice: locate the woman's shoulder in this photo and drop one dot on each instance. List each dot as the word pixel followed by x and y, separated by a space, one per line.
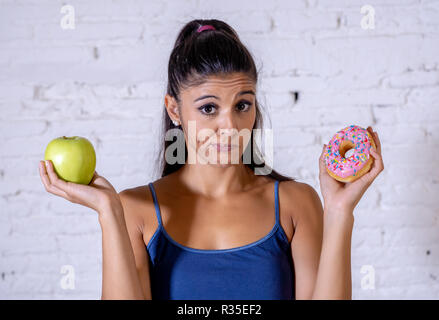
pixel 143 192
pixel 297 188
pixel 138 202
pixel 141 200
pixel 299 198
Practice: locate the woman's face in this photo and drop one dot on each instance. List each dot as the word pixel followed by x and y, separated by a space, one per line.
pixel 215 115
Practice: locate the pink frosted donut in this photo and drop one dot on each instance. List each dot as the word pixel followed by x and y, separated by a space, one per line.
pixel 351 168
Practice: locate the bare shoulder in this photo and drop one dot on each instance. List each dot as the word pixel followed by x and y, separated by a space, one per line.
pixel 138 205
pixel 301 199
pixel 299 189
pixel 140 193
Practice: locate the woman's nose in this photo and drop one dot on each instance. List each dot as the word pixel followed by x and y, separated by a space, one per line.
pixel 227 122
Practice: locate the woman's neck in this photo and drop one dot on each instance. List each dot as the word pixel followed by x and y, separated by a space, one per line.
pixel 214 181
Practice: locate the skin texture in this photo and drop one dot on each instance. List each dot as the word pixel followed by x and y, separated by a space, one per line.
pixel 226 204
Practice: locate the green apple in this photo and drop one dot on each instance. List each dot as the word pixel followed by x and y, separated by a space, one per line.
pixel 73 158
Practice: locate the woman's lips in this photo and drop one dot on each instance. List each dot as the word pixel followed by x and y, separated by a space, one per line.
pixel 223 147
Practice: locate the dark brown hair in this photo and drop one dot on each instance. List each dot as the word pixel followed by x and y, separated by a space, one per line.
pixel 197 55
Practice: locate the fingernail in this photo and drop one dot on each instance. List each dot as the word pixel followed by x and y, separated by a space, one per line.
pixel 47 163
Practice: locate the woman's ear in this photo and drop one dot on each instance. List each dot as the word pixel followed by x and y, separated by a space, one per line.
pixel 172 108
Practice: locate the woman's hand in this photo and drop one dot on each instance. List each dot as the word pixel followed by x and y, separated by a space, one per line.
pixel 98 195
pixel 343 197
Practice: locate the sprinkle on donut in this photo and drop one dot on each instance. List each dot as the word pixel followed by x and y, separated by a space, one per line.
pixel 352 137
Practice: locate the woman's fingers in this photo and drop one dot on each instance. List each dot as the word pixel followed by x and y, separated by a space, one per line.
pixel 54 180
pixel 377 156
pixel 94 195
pixel 376 169
pixel 47 181
pixel 376 153
pixel 378 164
pixel 322 164
pixel 375 138
pixel 377 142
pixel 75 193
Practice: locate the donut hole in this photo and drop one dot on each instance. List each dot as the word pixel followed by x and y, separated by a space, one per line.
pixel 349 153
pixel 347 149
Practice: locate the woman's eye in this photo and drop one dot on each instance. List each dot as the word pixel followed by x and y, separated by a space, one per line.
pixel 207 109
pixel 244 106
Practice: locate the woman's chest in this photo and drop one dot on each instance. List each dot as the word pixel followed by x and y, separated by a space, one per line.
pixel 216 225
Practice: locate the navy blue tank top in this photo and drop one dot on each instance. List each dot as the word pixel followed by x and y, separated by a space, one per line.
pixel 262 270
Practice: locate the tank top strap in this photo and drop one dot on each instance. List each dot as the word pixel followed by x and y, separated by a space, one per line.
pixel 276 200
pixel 156 204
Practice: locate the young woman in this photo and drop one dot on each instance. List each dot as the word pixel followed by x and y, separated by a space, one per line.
pixel 215 230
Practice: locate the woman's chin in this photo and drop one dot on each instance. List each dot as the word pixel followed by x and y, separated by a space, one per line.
pixel 221 163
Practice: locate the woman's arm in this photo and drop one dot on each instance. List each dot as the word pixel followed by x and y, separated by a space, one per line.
pixel 320 248
pixel 340 199
pixel 333 276
pixel 306 244
pixel 334 271
pixel 120 278
pixel 121 274
pixel 120 223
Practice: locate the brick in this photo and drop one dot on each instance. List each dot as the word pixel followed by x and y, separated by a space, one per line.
pixel 411 236
pixel 8 129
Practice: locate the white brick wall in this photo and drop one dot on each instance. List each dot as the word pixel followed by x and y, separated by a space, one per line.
pixel 106 80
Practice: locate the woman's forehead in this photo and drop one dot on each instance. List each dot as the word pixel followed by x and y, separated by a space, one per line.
pixel 226 84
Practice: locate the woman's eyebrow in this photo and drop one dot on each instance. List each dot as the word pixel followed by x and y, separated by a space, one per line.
pixel 212 96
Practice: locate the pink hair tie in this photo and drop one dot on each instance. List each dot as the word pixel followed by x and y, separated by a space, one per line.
pixel 206 27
